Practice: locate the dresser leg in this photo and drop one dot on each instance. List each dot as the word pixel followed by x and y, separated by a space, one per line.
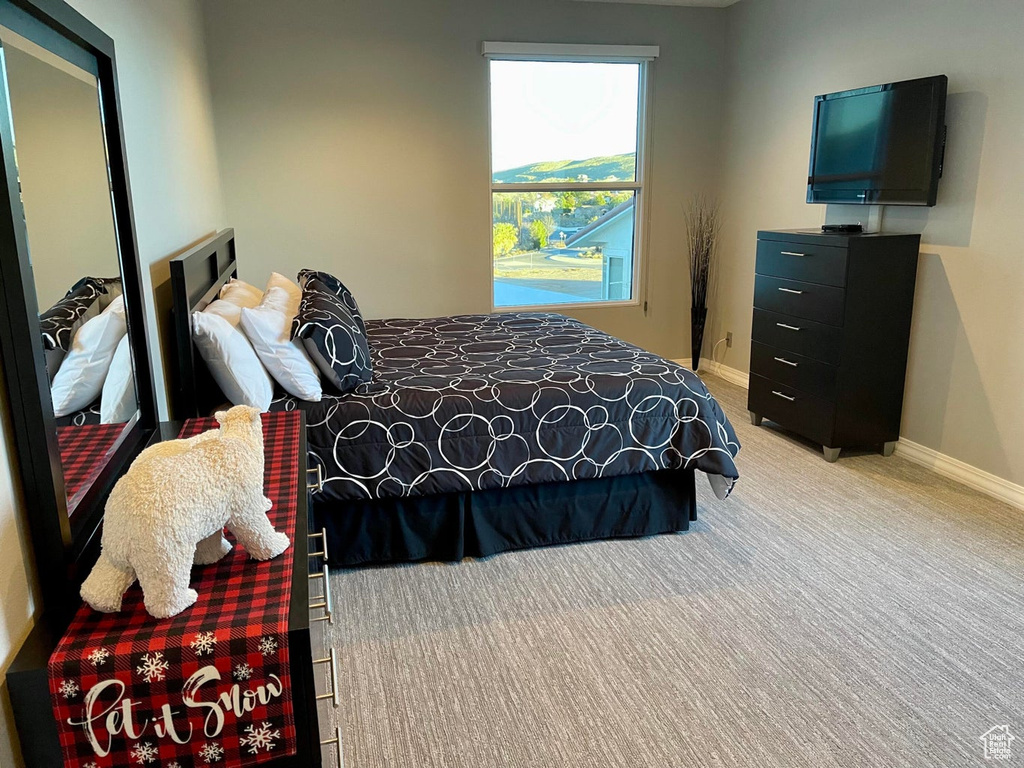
pixel 831 454
pixel 888 448
pixel 755 419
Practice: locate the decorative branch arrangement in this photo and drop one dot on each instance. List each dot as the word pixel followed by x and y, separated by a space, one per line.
pixel 703 224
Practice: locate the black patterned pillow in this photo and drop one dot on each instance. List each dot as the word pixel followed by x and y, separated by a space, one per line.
pixel 335 286
pixel 333 336
pixel 60 321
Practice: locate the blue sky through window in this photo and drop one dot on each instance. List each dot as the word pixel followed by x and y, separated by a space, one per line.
pixel 549 111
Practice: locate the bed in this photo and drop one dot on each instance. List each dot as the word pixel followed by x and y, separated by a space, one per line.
pixel 480 434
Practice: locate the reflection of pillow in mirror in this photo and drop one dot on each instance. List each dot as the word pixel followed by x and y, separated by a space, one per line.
pixel 53 358
pixel 82 373
pixel 241 293
pixel 231 359
pixel 59 323
pixel 113 290
pixel 116 304
pixel 268 327
pixel 117 400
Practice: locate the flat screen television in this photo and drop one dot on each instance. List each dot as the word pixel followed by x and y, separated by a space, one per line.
pixel 881 145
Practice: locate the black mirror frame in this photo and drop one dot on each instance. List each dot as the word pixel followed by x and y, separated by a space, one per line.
pixel 65 545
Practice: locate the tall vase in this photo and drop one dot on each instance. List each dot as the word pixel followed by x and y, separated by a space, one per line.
pixel 697 317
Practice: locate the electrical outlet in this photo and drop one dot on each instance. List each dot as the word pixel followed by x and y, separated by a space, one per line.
pixel 728 339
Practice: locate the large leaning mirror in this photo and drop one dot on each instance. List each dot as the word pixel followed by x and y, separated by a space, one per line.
pixel 74 355
pixel 61 159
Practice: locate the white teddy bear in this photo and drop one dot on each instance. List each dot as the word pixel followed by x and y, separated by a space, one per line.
pixel 170 509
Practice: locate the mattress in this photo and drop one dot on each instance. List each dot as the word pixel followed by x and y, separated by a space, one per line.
pixel 475 402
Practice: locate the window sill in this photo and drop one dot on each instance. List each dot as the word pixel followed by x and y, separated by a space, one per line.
pixel 555 308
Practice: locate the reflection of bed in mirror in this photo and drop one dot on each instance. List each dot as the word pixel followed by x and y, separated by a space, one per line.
pixel 62 162
pixel 88 361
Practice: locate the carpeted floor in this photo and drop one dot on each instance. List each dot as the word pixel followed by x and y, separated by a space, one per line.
pixel 864 613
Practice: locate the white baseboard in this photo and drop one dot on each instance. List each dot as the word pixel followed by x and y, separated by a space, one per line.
pixel 947 466
pixel 940 463
pixel 732 375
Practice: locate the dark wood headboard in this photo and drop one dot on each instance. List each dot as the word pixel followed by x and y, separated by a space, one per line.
pixel 196 279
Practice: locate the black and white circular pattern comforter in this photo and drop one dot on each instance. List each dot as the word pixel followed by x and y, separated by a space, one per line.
pixel 488 401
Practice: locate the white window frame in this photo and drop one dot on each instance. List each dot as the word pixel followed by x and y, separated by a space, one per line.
pixel 644 55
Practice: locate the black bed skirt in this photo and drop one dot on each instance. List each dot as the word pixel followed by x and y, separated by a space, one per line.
pixel 451 526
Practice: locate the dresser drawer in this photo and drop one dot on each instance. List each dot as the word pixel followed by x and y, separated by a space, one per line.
pixel 822 264
pixel 796 371
pixel 805 414
pixel 809 301
pixel 804 337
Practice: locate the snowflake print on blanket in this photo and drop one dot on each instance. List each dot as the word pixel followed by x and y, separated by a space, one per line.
pixel 203 643
pixel 153 667
pixel 92 764
pixel 242 672
pixel 97 657
pixel 267 646
pixel 211 752
pixel 68 689
pixel 144 753
pixel 259 737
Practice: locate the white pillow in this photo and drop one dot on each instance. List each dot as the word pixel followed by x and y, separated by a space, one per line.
pixel 117 401
pixel 241 293
pixel 79 381
pixel 231 359
pixel 268 327
pixel 116 305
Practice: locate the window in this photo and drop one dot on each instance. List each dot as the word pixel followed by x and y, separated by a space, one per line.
pixel 567 173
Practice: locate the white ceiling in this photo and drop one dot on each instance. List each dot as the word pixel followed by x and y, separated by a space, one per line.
pixel 695 3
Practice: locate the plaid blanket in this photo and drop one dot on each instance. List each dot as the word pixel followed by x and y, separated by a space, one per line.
pixel 209 687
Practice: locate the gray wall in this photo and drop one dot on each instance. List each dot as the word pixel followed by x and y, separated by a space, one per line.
pixel 165 103
pixel 354 137
pixel 966 366
pixel 176 194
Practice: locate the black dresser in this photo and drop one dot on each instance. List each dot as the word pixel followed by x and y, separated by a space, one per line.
pixel 828 353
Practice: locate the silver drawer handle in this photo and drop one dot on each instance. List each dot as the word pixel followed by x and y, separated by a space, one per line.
pixel 325 600
pixel 789 327
pixel 336 740
pixel 787 362
pixel 792 253
pixel 790 290
pixel 784 397
pixel 322 535
pixel 332 659
pixel 317 486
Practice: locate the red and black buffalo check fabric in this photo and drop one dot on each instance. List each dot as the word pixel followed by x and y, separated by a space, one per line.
pixel 82 450
pixel 209 687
